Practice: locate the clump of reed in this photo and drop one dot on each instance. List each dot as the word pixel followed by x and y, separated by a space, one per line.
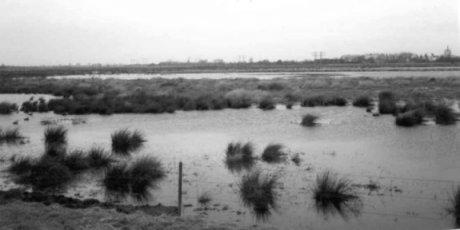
pixel 258 192
pixel 239 156
pixel 410 118
pixel 46 174
pixel 444 115
pixel 274 153
pixel 309 120
pixel 10 135
pixel 8 108
pixel 76 161
pixel 125 141
pixel 267 103
pixel 116 181
pixel 387 103
pixel 135 179
pixel 20 166
pixel 204 199
pixel 98 158
pixel 362 101
pixel 55 135
pixel 334 195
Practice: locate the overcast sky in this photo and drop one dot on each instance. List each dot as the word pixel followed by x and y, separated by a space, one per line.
pixel 49 32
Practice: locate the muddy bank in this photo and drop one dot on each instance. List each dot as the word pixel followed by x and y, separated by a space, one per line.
pixel 67 202
pixel 23 210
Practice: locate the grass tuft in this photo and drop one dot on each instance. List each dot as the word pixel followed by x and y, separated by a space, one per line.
pixel 334 195
pixel 45 175
pixel 239 156
pixel 267 103
pixel 125 141
pixel 76 161
pixel 20 166
pixel 258 192
pixel 10 135
pixel 116 181
pixel 409 119
pixel 135 180
pixel 98 158
pixel 273 153
pixel 309 120
pixel 55 135
pixel 204 199
pixel 144 174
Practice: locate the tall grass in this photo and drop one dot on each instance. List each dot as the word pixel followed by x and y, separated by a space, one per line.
pixel 444 115
pixel 258 192
pixel 45 175
pixel 362 101
pixel 76 161
pixel 125 141
pixel 309 120
pixel 274 153
pixel 10 135
pixel 8 108
pixel 20 166
pixel 55 135
pixel 134 180
pixel 98 158
pixel 334 195
pixel 239 156
pixel 144 174
pixel 116 181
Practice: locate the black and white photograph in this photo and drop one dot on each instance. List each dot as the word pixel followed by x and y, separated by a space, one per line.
pixel 229 114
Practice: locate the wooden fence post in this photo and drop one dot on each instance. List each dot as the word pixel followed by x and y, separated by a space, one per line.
pixel 179 194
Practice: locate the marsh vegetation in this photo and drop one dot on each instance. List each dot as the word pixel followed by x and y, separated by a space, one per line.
pixel 274 153
pixel 257 191
pixel 334 195
pixel 309 120
pixel 239 156
pixel 7 107
pixel 125 141
pixel 10 136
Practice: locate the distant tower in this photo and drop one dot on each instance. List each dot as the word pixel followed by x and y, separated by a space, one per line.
pixel 447 52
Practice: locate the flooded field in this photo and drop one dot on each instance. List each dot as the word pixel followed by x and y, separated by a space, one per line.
pixel 404 177
pixel 272 75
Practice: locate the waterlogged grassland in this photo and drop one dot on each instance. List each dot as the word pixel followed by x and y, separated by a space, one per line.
pixel 107 96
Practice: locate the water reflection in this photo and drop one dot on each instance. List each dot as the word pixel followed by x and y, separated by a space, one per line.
pixel 239 156
pixel 257 192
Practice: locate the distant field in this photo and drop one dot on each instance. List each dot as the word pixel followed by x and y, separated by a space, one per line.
pixel 42 71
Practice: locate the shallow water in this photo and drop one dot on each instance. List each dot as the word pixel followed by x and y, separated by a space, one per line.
pixel 272 75
pixel 416 168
